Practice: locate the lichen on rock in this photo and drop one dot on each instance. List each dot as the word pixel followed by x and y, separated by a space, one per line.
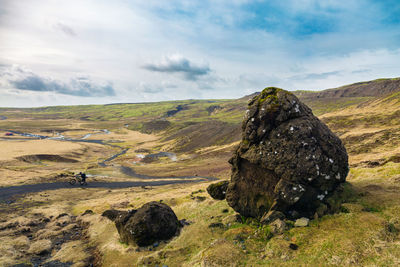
pixel 288 161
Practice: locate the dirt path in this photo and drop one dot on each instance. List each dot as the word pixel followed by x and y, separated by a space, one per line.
pixel 8 192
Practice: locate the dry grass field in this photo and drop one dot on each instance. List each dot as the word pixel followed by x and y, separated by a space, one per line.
pixel 54 226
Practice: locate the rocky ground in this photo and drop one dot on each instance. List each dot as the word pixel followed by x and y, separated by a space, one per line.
pixel 39 240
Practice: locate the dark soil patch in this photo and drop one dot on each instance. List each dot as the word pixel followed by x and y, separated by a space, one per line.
pixel 364 143
pixel 204 134
pixel 394 159
pixel 155 126
pixel 45 157
pixel 178 108
pixel 142 150
pixel 213 109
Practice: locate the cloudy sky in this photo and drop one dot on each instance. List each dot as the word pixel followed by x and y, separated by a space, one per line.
pixel 92 51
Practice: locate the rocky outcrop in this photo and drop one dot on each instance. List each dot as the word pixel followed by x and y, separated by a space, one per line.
pixel 288 163
pixel 218 190
pixel 152 222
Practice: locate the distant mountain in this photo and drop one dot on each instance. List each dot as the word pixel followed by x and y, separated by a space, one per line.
pixel 373 88
pixel 329 100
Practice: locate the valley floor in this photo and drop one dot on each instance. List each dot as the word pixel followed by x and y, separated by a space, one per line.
pixel 64 226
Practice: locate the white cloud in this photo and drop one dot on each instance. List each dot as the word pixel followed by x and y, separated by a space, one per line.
pixel 26 80
pixel 179 64
pixel 111 42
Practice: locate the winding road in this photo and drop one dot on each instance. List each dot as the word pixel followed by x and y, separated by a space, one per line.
pixel 11 191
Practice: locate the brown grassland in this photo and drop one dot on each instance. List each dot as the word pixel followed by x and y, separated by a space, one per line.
pixel 365 233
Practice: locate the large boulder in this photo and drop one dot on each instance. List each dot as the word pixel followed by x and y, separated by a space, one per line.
pixel 152 222
pixel 288 163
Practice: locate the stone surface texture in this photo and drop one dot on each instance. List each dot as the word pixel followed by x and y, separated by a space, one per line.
pixel 288 162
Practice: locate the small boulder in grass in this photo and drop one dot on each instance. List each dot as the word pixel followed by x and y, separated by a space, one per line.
pixel 111 214
pixel 278 227
pixel 302 222
pixel 151 223
pixel 218 190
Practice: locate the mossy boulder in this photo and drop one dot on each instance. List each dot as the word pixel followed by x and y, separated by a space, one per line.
pixel 288 162
pixel 218 190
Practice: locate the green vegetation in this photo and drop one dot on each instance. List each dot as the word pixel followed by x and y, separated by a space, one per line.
pixel 269 93
pixel 326 105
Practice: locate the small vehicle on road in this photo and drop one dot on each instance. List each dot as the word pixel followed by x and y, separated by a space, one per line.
pixel 80 178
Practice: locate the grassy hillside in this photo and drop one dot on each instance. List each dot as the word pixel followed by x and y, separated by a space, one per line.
pixel 370 129
pixel 365 233
pixel 194 124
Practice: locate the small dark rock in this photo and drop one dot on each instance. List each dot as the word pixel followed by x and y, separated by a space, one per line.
pixel 111 214
pixel 87 212
pixel 293 246
pixel 225 211
pixel 32 223
pixel 216 225
pixel 200 198
pixel 278 227
pixel 25 230
pixel 372 164
pixel 344 209
pixel 45 220
pixel 218 190
pixel 61 215
pixel 184 222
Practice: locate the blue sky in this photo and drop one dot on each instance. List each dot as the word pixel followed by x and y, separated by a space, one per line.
pixel 96 51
